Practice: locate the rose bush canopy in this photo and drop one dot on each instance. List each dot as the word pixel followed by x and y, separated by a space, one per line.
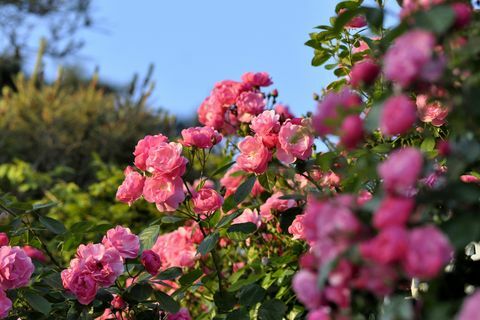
pixel 364 208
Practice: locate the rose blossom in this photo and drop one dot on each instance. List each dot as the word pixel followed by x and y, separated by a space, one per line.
pixel 305 285
pixel 351 132
pixel 143 146
pixel 254 156
pixel 35 253
pixel 233 179
pixel 151 261
pixel 355 22
pixel 117 302
pixel 81 283
pixel 401 170
pixel 429 250
pixel 211 114
pixel 226 92
pixel 388 246
pixel 183 314
pixel 176 248
pixel 266 126
pixel 131 188
pixel 5 305
pixel 377 278
pixel 324 313
pixel 104 264
pixel 471 307
pixel 258 79
pixel 398 115
pixel 431 112
pixel 468 178
pixel 283 111
pixel 463 14
pixel 296 228
pixel 16 268
pixel 200 137
pixel 166 159
pixel 3 239
pixel 206 200
pixel 409 6
pixel 249 104
pixel 122 239
pixel 393 211
pixel 165 192
pixel 249 215
pixel 294 142
pixel 364 72
pixel 274 203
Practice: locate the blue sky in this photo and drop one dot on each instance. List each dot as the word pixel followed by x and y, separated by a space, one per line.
pixel 193 44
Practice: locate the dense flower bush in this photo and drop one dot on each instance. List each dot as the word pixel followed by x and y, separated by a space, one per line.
pixel 363 209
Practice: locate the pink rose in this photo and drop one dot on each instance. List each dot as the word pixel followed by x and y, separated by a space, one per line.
pixel 471 307
pixel 266 126
pixel 105 265
pixel 166 159
pixel 16 268
pixel 232 179
pixel 165 192
pixel 377 278
pixel 183 314
pixel 254 156
pixel 305 286
pixel 176 248
pixel 283 111
pixel 123 240
pixel 364 72
pixel 131 188
pixel 468 178
pixel 249 215
pixel 412 52
pixel 431 112
pixel 401 170
pixel 356 22
pixel 463 14
pixel 200 137
pixel 81 283
pixel 249 105
pixel 35 253
pixel 410 6
pixel 296 228
pixel 5 305
pixel 118 302
pixel 390 245
pixel 211 114
pixel 393 211
pixel 294 142
pixel 324 313
pixel 3 239
pixel 151 261
pixel 274 203
pixel 206 201
pixel 258 79
pixel 351 132
pixel 398 115
pixel 429 250
pixel 226 92
pixel 143 147
pixel 363 197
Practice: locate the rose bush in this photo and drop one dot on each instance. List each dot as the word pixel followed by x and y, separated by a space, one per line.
pixel 363 209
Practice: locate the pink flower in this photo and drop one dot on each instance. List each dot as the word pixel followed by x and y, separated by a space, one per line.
pixel 3 239
pixel 16 268
pixel 166 159
pixel 356 22
pixel 390 245
pixel 206 201
pixel 105 265
pixel 468 178
pixel 258 79
pixel 296 228
pixel 412 52
pixel 131 188
pixel 463 14
pixel 81 283
pixel 410 6
pixel 471 307
pixel 274 203
pixel 200 137
pixel 211 114
pixel 364 72
pixel 324 313
pixel 431 112
pixel 176 248
pixel 249 105
pixel 143 147
pixel 165 192
pixel 151 261
pixel 226 92
pixel 283 111
pixel 233 178
pixel 35 253
pixel 351 132
pixel 249 215
pixel 377 278
pixel 183 314
pixel 429 250
pixel 266 126
pixel 118 302
pixel 294 142
pixel 305 286
pixel 398 115
pixel 254 156
pixel 5 305
pixel 363 197
pixel 393 211
pixel 123 240
pixel 401 170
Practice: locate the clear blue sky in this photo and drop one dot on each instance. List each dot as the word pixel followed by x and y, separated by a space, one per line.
pixel 193 44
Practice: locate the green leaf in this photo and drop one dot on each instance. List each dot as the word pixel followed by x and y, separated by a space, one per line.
pixel 171 219
pixel 428 144
pixel 148 236
pixel 229 204
pixel 239 314
pixel 190 277
pixel 52 225
pixel 38 206
pixel 438 19
pixel 344 18
pixel 170 274
pixel 272 310
pixel 251 295
pixel 166 302
pixel 38 302
pixel 224 301
pixel 208 243
pixel 244 189
pixel 320 57
pixel 139 292
pixel 397 308
pixel 247 227
pixel 263 180
pixel 223 168
pixel 227 219
pixel 374 18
